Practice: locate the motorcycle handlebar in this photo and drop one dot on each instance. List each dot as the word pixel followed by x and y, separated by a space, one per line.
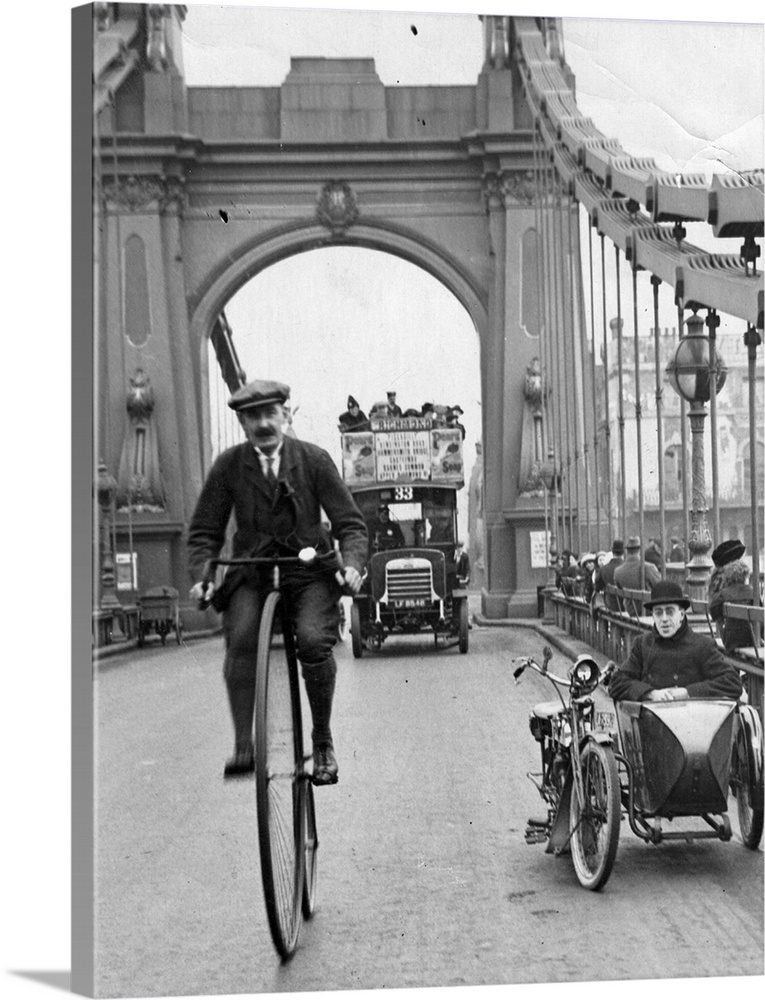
pixel 529 661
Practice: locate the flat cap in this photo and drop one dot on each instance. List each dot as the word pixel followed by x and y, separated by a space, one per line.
pixel 261 392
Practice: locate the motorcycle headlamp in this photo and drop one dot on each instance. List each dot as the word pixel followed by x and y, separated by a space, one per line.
pixel 584 675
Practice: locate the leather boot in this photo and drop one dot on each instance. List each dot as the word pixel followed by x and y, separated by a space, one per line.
pixel 241 699
pixel 320 687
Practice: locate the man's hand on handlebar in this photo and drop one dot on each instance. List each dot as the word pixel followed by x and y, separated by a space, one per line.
pixel 352 579
pixel 202 592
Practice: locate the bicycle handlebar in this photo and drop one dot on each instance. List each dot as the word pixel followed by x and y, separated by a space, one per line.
pixel 307 556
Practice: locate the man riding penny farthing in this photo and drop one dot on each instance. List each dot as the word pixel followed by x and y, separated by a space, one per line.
pixel 279 489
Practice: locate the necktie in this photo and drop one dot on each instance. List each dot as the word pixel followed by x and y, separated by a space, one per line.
pixel 270 475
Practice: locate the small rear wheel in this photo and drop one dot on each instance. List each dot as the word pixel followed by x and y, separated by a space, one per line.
pixel 278 777
pixel 311 846
pixel 464 624
pixel 746 776
pixel 356 644
pixel 595 819
pixel 342 622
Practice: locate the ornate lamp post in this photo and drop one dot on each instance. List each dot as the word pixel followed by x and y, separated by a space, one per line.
pixel 106 490
pixel 689 375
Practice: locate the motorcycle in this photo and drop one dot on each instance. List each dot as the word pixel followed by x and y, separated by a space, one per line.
pixel 579 780
pixel 656 762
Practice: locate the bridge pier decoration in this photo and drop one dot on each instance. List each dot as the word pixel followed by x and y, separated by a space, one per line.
pixel 484 187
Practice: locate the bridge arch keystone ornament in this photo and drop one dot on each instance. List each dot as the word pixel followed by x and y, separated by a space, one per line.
pixel 336 207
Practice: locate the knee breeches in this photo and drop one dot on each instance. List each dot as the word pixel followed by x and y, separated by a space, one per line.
pixel 313 607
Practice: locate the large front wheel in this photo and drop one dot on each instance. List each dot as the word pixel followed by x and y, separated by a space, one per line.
pixel 595 817
pixel 278 776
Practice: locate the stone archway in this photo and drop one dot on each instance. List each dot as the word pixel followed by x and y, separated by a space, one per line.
pixel 222 285
pixel 212 188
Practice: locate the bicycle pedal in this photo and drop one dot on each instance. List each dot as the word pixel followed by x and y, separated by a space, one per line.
pixel 324 780
pixel 535 835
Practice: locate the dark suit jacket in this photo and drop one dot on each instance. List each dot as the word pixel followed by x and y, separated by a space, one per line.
pixel 308 482
pixel 605 576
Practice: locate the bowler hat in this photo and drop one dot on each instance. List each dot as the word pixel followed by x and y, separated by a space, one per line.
pixel 727 552
pixel 633 543
pixel 617 548
pixel 667 592
pixel 261 392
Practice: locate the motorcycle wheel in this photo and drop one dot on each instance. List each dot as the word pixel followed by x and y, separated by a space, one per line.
pixel 595 821
pixel 746 778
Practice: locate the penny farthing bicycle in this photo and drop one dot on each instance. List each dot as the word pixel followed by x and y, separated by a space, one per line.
pixel 287 833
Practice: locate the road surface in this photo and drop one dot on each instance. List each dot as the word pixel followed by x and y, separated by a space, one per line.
pixel 424 875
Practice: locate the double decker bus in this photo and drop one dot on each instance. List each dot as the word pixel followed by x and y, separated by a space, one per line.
pixel 405 473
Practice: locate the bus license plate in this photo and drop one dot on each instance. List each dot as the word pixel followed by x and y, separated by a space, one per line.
pixel 605 722
pixel 412 602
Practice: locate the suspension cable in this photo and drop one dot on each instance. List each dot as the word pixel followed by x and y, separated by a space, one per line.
pixel 684 447
pixel 543 329
pixel 553 406
pixel 752 340
pixel 607 393
pixel 638 406
pixel 595 420
pixel 713 321
pixel 575 374
pixel 620 408
pixel 557 353
pixel 562 356
pixel 656 282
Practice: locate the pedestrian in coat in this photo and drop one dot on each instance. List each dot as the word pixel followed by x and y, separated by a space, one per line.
pixel 604 575
pixel 635 573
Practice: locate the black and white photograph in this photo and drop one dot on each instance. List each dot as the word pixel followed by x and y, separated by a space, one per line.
pixel 418 481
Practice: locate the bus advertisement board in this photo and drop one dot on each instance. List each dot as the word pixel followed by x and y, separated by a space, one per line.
pixel 403 456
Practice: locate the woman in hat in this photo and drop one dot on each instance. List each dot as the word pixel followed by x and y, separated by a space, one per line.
pixel 587 573
pixel 672 662
pixel 725 553
pixel 734 588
